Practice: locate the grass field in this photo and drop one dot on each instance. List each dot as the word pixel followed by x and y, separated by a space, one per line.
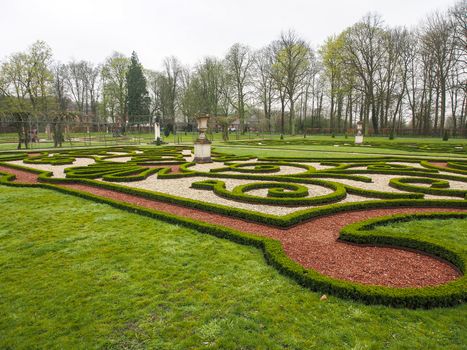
pixel 92 276
pixel 323 151
pixel 8 141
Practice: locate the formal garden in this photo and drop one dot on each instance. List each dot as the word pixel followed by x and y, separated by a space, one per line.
pixel 298 243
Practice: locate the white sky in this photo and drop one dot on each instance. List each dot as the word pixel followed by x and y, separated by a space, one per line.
pixel 93 29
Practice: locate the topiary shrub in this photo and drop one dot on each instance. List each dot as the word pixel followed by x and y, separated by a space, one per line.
pixel 446 135
pixel 391 135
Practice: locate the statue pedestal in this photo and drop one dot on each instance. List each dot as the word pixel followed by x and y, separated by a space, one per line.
pixel 202 151
pixel 358 139
pixel 157 132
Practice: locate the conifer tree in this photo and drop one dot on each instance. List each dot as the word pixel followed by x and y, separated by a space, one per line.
pixel 138 98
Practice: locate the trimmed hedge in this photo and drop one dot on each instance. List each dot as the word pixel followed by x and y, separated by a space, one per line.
pixel 404 146
pixel 380 194
pixel 445 295
pixel 455 291
pixel 278 197
pixel 438 187
pixel 453 167
pixel 458 165
pixel 273 220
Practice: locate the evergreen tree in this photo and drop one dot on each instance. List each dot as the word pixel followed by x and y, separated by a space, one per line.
pixel 138 98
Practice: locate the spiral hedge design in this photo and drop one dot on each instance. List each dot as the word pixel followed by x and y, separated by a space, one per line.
pixel 277 192
pixel 437 187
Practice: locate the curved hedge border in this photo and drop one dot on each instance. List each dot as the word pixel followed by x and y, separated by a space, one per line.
pixel 450 169
pixel 268 219
pixel 263 167
pixel 403 146
pixel 239 192
pixel 56 159
pixel 446 295
pixel 459 166
pixel 390 199
pixel 438 187
pixel 360 233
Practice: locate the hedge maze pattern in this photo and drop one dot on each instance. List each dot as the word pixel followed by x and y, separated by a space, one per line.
pixel 460 148
pixel 281 183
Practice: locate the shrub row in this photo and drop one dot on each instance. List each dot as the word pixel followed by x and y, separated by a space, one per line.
pixel 297 197
pixel 450 169
pixel 380 194
pixel 273 220
pixel 279 221
pixel 403 146
pixel 445 295
pixel 458 165
pixel 438 187
pixel 54 160
pixel 361 233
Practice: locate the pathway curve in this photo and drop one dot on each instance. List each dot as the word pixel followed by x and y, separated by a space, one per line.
pixel 314 243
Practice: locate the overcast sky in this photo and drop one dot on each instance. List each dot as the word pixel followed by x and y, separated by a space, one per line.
pixel 93 29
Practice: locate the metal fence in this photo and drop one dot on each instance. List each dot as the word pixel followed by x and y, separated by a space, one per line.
pixel 75 134
pixel 79 134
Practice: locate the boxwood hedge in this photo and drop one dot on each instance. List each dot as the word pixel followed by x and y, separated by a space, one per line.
pixel 445 295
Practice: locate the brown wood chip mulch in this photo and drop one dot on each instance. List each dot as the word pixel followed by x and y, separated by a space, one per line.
pixel 314 243
pixel 440 164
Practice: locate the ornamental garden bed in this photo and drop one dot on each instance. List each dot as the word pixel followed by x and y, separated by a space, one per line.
pixel 294 216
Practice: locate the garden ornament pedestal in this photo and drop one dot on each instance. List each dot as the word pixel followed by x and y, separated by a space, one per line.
pixel 359 135
pixel 202 144
pixel 157 131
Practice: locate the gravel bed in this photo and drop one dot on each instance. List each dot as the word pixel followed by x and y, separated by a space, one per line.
pixel 119 159
pixel 181 188
pixel 381 183
pixel 57 170
pixel 284 169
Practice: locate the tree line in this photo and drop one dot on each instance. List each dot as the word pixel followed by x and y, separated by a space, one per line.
pixel 390 78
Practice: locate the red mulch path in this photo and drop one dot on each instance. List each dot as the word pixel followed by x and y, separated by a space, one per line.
pixel 314 243
pixel 174 169
pixel 21 176
pixel 440 164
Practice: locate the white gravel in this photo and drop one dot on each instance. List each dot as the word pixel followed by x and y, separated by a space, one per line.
pixel 381 183
pixel 119 159
pixel 58 170
pixel 284 169
pixel 181 187
pixel 318 166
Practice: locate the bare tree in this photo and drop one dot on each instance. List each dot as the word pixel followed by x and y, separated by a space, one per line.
pixel 365 50
pixel 438 40
pixel 292 60
pixel 238 63
pixel 263 81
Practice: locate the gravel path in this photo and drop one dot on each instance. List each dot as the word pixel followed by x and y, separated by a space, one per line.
pixel 58 170
pixel 314 243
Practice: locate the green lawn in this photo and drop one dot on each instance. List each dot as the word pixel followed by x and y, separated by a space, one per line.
pixel 323 151
pixel 340 145
pixel 454 231
pixel 79 275
pixel 7 142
